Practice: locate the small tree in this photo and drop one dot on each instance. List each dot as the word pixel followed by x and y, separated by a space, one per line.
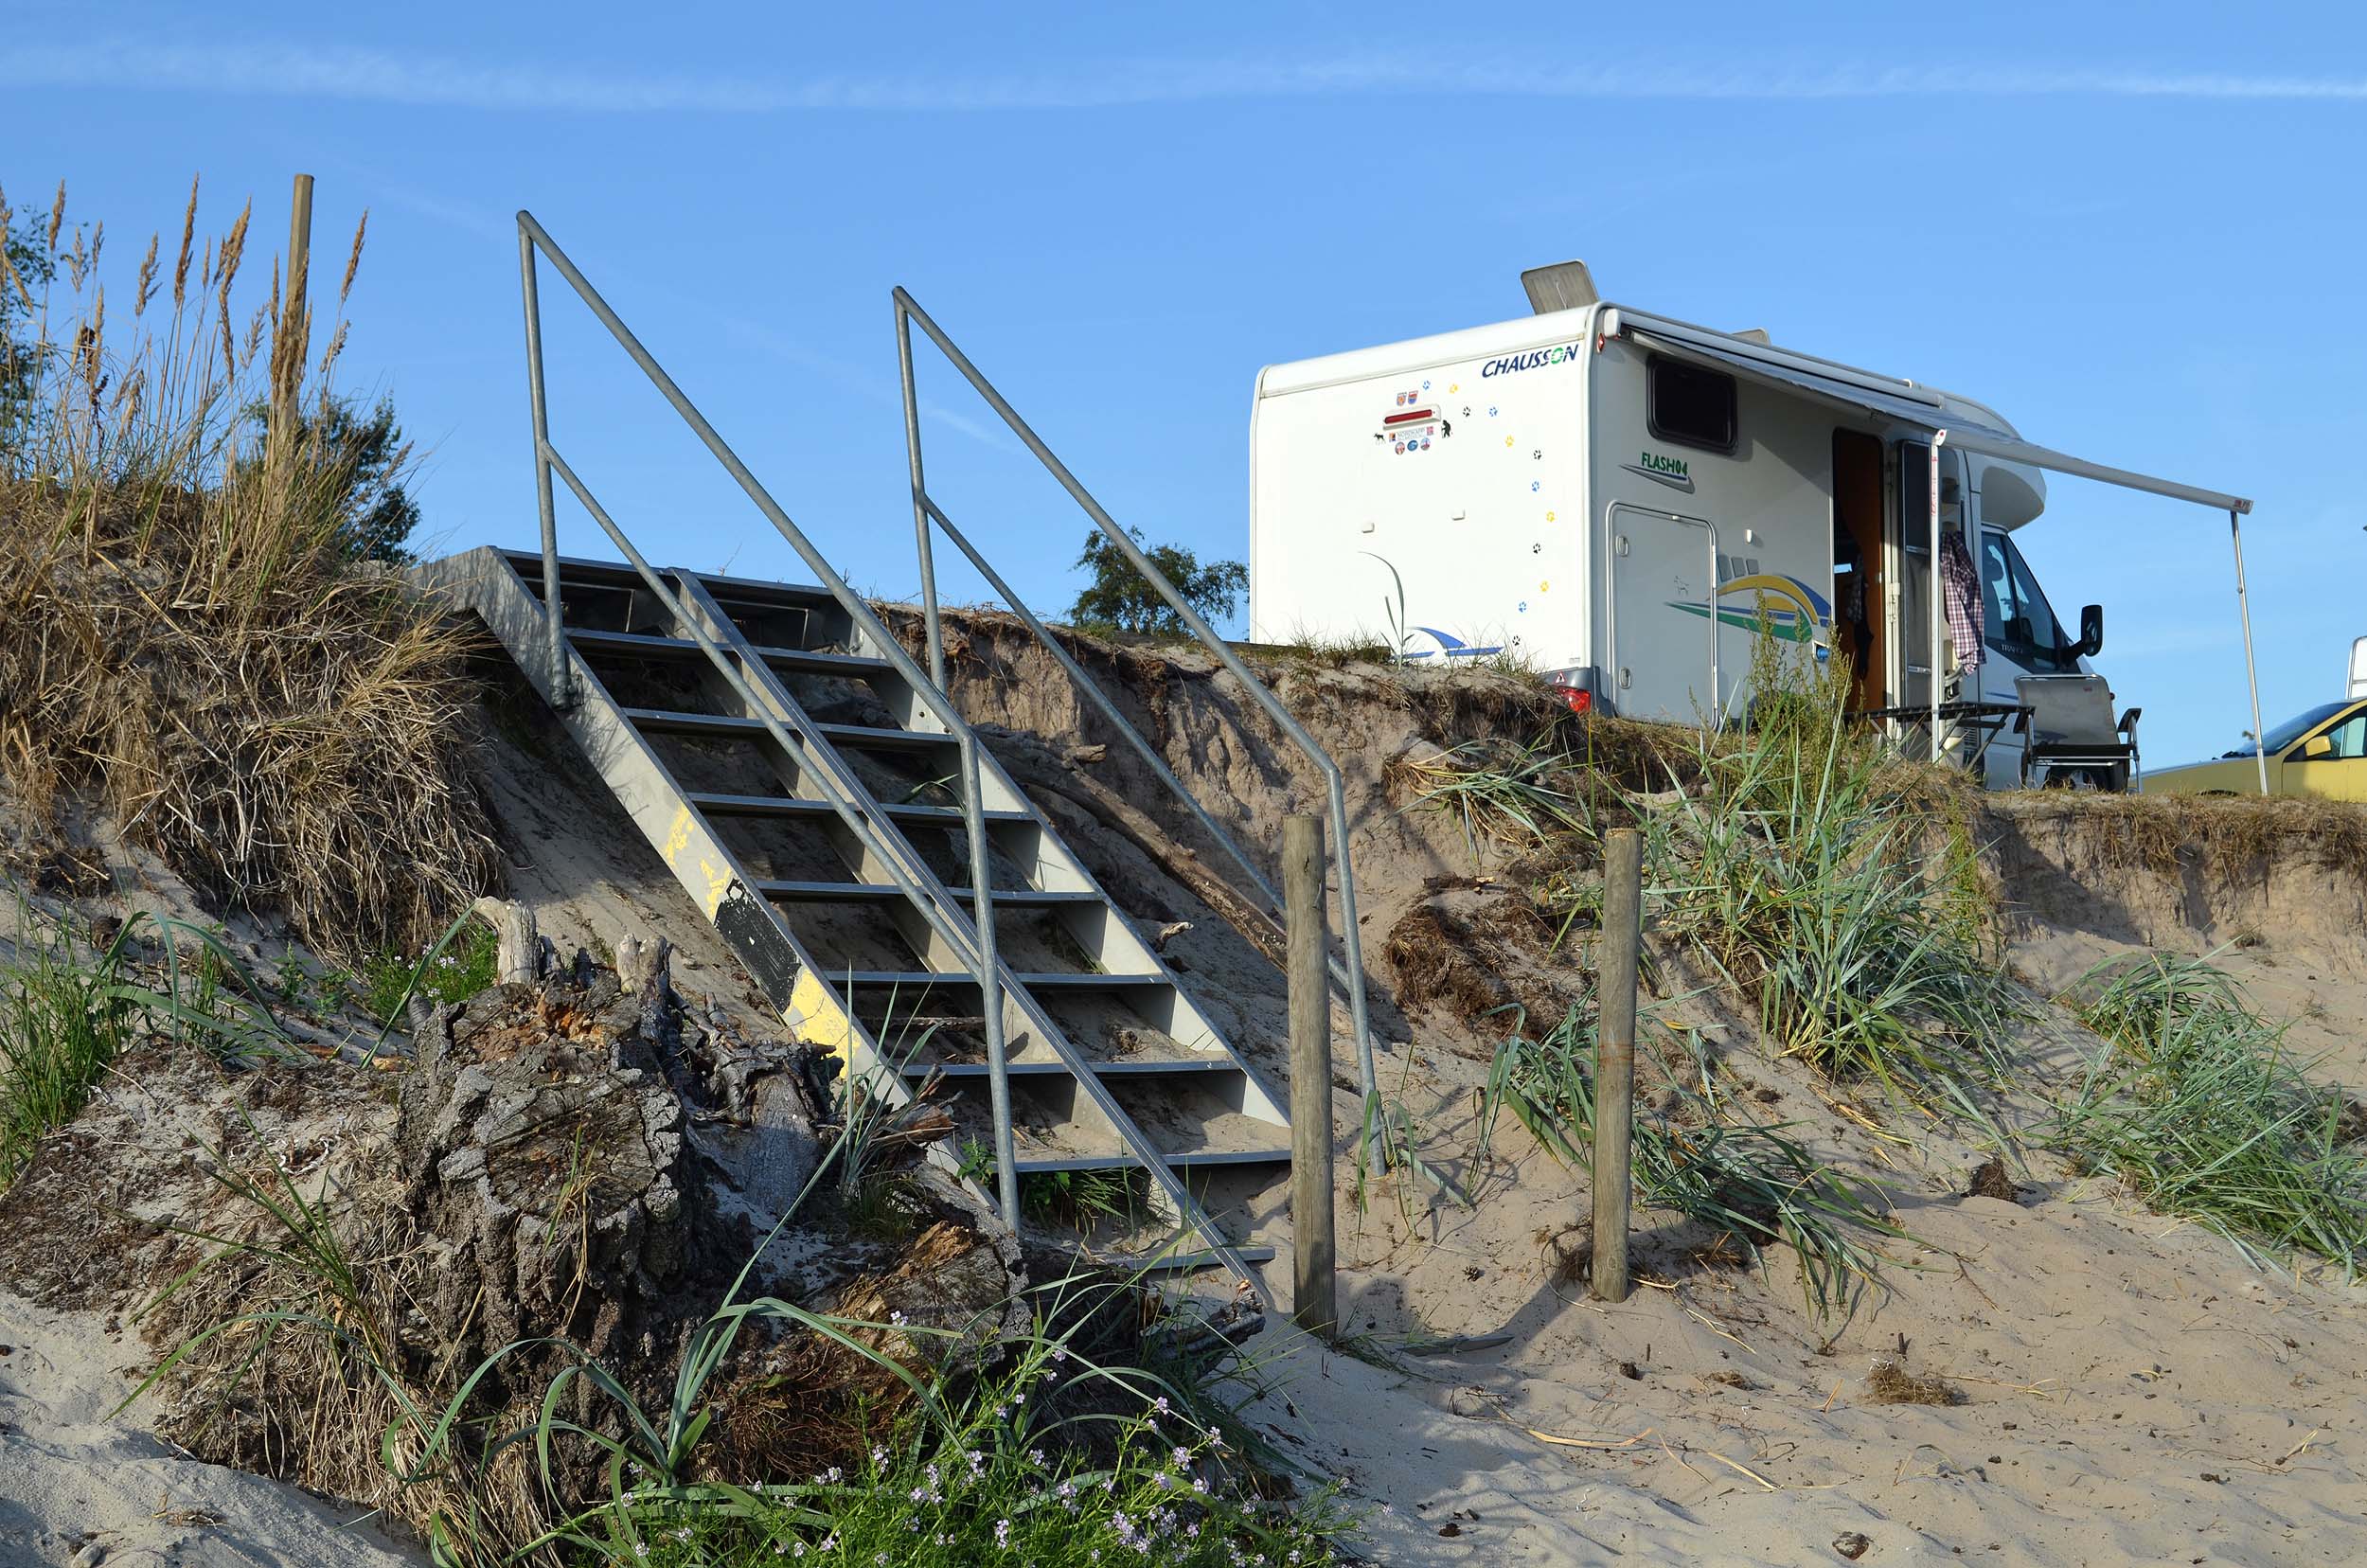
pixel 26 268
pixel 362 458
pixel 1119 599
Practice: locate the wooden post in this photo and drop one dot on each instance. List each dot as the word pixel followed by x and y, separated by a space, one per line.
pixel 293 342
pixel 1314 1287
pixel 1615 1056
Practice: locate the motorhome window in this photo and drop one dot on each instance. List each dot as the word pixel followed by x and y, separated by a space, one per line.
pixel 1689 405
pixel 2021 625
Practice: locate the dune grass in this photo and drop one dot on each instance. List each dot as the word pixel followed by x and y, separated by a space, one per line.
pixel 70 1004
pixel 188 636
pixel 1701 1157
pixel 1811 867
pixel 1043 1448
pixel 2198 1106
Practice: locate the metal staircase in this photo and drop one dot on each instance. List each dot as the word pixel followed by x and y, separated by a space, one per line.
pixel 806 808
pixel 882 880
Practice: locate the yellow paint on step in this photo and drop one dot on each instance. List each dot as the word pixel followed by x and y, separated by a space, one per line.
pixel 719 883
pixel 815 1018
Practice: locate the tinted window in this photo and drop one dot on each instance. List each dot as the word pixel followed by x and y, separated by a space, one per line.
pixel 2019 624
pixel 1689 405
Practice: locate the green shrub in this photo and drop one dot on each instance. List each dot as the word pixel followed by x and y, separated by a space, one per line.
pixel 2197 1105
pixel 1698 1159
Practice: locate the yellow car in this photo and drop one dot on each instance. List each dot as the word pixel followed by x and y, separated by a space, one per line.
pixel 2323 753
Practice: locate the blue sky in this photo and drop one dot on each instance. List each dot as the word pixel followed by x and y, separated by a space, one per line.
pixel 2141 243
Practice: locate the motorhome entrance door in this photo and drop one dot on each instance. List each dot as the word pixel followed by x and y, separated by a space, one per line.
pixel 1664 616
pixel 1911 602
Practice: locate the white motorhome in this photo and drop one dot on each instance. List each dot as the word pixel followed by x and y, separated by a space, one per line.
pixel 1617 497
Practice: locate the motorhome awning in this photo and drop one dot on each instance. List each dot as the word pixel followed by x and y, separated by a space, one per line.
pixel 1909 403
pixel 1915 405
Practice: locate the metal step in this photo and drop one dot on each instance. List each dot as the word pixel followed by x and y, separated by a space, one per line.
pixel 1189 1160
pixel 926 980
pixel 789 661
pixel 719 725
pixel 586 572
pixel 785 805
pixel 1004 897
pixel 1128 1067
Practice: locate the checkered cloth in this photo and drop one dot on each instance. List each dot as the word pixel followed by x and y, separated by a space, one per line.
pixel 1961 593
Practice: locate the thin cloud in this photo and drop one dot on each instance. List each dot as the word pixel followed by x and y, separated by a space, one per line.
pixel 279 69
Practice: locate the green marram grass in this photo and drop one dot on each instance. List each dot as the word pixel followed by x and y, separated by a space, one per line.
pixel 1700 1159
pixel 70 1004
pixel 1810 867
pixel 1030 1451
pixel 2198 1106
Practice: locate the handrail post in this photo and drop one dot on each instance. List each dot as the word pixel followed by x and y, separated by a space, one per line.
pixel 923 544
pixel 989 980
pixel 561 686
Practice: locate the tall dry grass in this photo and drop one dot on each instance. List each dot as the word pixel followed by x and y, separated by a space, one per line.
pixel 186 637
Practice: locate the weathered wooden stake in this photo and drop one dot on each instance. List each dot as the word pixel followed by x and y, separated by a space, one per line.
pixel 1314 1292
pixel 1615 1056
pixel 295 339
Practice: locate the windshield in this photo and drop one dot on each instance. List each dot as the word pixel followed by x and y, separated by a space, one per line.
pixel 2017 623
pixel 2282 735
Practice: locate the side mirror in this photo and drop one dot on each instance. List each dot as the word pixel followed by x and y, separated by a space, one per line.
pixel 2091 631
pixel 2317 746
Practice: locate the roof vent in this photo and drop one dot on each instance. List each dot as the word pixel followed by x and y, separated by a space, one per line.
pixel 1755 335
pixel 1563 286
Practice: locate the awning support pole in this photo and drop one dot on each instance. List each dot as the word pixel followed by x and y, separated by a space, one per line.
pixel 1934 601
pixel 2252 672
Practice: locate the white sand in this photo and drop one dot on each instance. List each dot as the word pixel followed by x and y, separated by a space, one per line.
pixel 83 1484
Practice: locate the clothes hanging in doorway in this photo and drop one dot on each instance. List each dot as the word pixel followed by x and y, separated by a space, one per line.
pixel 1960 592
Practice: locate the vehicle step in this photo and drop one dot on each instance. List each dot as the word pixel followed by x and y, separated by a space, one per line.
pixel 859 736
pixel 790 661
pixel 830 892
pixel 786 806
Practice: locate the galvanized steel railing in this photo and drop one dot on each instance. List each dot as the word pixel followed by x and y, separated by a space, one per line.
pixel 928 514
pixel 971 934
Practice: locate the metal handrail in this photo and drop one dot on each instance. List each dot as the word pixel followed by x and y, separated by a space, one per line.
pixel 979 951
pixel 926 513
pixel 1143 748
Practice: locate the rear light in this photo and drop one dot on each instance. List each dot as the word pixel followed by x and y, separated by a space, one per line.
pixel 1411 415
pixel 1579 699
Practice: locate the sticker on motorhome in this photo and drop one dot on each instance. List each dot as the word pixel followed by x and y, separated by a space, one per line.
pixel 1535 360
pixel 1672 471
pixel 1450 646
pixel 1794 611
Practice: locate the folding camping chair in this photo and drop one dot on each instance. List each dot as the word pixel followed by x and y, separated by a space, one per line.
pixel 2069 736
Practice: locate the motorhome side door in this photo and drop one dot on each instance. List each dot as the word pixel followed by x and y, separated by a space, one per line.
pixel 1663 614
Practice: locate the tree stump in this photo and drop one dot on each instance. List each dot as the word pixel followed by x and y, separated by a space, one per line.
pixel 544 1147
